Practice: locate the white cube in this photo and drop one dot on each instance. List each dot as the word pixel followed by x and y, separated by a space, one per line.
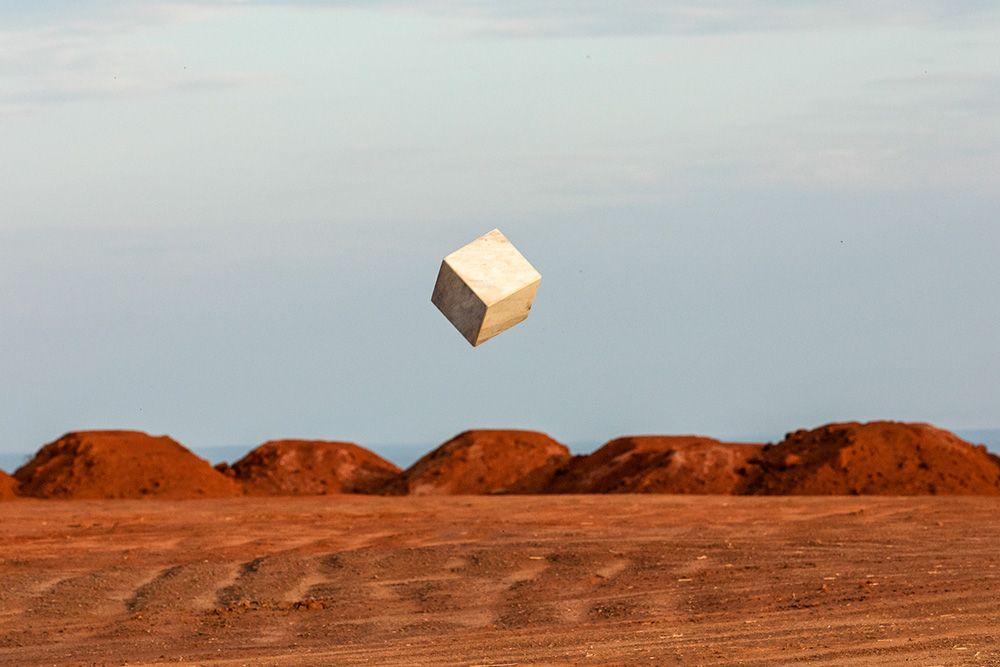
pixel 485 288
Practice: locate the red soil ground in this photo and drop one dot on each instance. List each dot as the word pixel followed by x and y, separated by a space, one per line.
pixel 877 458
pixel 8 486
pixel 657 464
pixel 312 467
pixel 435 581
pixel 120 464
pixel 479 462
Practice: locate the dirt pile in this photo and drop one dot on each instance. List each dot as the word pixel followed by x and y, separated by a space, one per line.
pixel 657 464
pixel 312 467
pixel 120 464
pixel 8 486
pixel 480 462
pixel 877 458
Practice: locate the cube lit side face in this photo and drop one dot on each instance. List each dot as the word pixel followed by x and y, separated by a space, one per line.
pixel 485 287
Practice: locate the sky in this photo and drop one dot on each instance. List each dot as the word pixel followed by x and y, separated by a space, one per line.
pixel 222 220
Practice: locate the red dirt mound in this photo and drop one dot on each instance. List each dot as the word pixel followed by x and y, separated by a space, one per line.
pixel 877 458
pixel 120 464
pixel 8 486
pixel 657 464
pixel 312 467
pixel 480 462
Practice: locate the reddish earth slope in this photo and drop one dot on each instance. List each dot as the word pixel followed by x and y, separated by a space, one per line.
pixel 8 486
pixel 312 467
pixel 479 462
pixel 120 464
pixel 657 464
pixel 877 458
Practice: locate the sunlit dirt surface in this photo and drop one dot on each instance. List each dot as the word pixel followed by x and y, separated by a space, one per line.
pixel 502 580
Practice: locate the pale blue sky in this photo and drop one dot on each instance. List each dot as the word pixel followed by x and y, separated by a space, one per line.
pixel 223 220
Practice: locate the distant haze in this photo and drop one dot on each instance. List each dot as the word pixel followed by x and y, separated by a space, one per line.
pixel 222 220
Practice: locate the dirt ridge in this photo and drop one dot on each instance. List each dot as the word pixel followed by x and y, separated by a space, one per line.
pixel 8 486
pixel 120 464
pixel 311 467
pixel 657 464
pixel 875 458
pixel 480 462
pixel 849 458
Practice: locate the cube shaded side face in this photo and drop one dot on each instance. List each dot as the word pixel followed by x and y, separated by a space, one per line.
pixel 456 301
pixel 507 312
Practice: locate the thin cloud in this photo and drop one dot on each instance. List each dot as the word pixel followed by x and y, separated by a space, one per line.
pixel 566 18
pixel 94 60
pixel 931 141
pixel 961 105
pixel 95 91
pixel 569 18
pixel 974 92
pixel 602 18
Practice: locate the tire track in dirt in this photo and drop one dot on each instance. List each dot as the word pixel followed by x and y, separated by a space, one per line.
pixel 99 593
pixel 267 581
pixel 189 587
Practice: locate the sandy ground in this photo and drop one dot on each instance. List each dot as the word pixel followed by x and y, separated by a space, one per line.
pixel 566 580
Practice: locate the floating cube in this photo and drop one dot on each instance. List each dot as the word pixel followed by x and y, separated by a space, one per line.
pixel 485 287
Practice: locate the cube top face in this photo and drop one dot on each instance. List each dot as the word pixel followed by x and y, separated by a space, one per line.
pixel 492 267
pixel 485 287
